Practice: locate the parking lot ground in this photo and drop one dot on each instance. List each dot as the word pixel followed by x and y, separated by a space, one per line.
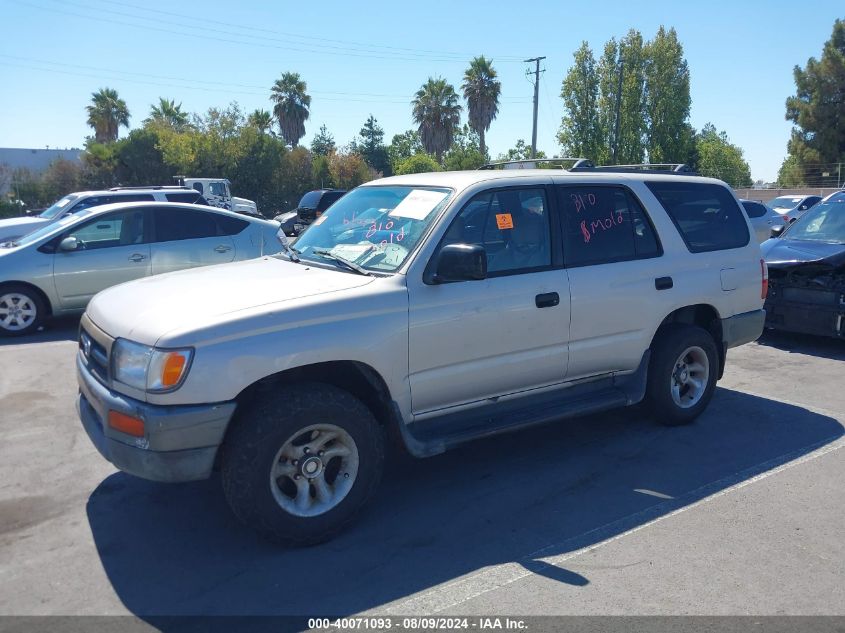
pixel 739 513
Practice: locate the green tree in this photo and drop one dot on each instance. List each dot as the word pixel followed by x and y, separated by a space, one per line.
pixel 349 170
pixel 719 158
pixel 403 146
pixel 371 146
pixel 465 152
pixel 106 114
pixel 520 151
pixel 581 132
pixel 481 90
pixel 790 173
pixel 321 175
pixel 667 99
pixel 323 142
pixel 437 112
pixel 168 112
pixel 818 110
pixel 292 106
pixel 261 120
pixel 139 160
pixel 417 164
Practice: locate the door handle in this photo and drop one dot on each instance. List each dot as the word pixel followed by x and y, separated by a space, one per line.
pixel 223 249
pixel 137 257
pixel 547 300
pixel 663 283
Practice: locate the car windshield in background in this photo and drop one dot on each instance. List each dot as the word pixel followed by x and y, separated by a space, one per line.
pixel 57 208
pixel 374 227
pixel 310 200
pixel 785 202
pixel 825 222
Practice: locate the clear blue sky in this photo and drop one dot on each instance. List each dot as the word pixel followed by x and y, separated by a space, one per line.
pixel 370 57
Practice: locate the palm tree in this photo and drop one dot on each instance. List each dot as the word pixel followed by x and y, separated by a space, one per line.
pixel 437 112
pixel 106 114
pixel 481 90
pixel 168 112
pixel 291 109
pixel 262 120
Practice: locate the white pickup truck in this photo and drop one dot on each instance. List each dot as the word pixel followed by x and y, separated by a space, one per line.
pixel 432 308
pixel 218 194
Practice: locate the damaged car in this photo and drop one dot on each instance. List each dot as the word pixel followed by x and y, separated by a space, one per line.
pixel 807 272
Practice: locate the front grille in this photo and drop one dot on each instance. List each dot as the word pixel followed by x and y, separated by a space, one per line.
pixel 96 356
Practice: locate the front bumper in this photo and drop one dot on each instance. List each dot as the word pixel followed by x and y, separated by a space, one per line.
pixel 807 311
pixel 180 442
pixel 742 328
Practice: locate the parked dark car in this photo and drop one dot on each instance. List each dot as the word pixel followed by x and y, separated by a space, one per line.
pixel 310 207
pixel 807 272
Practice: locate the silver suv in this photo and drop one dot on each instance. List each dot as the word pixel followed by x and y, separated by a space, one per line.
pixel 433 308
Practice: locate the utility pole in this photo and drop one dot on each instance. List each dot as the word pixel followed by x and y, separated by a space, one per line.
pixel 537 71
pixel 618 106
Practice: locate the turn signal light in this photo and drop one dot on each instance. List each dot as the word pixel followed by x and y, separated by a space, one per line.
pixel 171 373
pixel 126 424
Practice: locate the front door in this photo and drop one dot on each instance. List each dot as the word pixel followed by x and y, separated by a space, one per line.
pixel 112 248
pixel 474 340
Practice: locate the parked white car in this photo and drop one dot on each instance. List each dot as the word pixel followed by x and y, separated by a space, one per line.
pixel 442 307
pixel 56 269
pixel 13 228
pixel 793 207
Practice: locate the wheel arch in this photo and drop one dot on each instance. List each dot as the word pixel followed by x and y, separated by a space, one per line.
pixel 704 316
pixel 41 294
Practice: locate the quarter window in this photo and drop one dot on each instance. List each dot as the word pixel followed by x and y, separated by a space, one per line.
pixel 706 215
pixel 511 224
pixel 604 224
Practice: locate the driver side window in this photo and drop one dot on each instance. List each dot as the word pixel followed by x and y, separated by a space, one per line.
pixel 513 227
pixel 123 228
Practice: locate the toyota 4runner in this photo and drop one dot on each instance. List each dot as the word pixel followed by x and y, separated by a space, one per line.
pixel 431 309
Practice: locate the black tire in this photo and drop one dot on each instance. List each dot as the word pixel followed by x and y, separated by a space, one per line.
pixel 259 431
pixel 15 296
pixel 670 342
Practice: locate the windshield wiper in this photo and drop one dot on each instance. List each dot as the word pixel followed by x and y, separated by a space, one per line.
pixel 322 252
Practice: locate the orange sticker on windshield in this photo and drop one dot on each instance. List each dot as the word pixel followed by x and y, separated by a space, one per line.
pixel 504 221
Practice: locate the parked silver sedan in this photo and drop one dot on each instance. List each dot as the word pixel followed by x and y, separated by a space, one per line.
pixel 58 268
pixel 763 219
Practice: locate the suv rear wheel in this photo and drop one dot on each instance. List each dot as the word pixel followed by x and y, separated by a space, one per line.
pixel 300 462
pixel 682 373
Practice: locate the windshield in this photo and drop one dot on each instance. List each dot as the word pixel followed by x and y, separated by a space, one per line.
pixel 374 227
pixel 57 208
pixel 785 202
pixel 49 229
pixel 825 222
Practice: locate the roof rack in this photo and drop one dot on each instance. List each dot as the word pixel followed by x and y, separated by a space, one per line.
pixel 156 187
pixel 531 163
pixel 680 169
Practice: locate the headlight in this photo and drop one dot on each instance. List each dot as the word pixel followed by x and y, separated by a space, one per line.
pixel 147 368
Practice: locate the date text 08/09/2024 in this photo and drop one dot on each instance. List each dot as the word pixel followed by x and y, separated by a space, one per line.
pixel 417 623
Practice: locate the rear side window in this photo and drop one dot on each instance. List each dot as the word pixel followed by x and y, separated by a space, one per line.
pixel 328 200
pixel 604 224
pixel 183 224
pixel 706 215
pixel 189 197
pixel 230 226
pixel 754 209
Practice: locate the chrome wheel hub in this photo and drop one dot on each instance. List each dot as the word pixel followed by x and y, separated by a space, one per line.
pixel 314 470
pixel 17 311
pixel 690 377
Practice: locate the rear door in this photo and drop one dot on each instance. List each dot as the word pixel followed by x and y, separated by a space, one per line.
pixel 113 248
pixel 621 286
pixel 187 238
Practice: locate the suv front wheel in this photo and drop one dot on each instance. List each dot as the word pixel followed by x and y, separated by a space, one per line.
pixel 301 461
pixel 682 373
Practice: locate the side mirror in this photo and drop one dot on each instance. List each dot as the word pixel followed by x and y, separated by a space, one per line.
pixel 69 244
pixel 777 231
pixel 460 262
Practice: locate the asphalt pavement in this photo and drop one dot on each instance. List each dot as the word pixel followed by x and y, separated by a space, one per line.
pixel 740 513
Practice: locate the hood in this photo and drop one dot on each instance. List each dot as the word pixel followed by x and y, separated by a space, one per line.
pixel 16 227
pixel 146 309
pixel 784 252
